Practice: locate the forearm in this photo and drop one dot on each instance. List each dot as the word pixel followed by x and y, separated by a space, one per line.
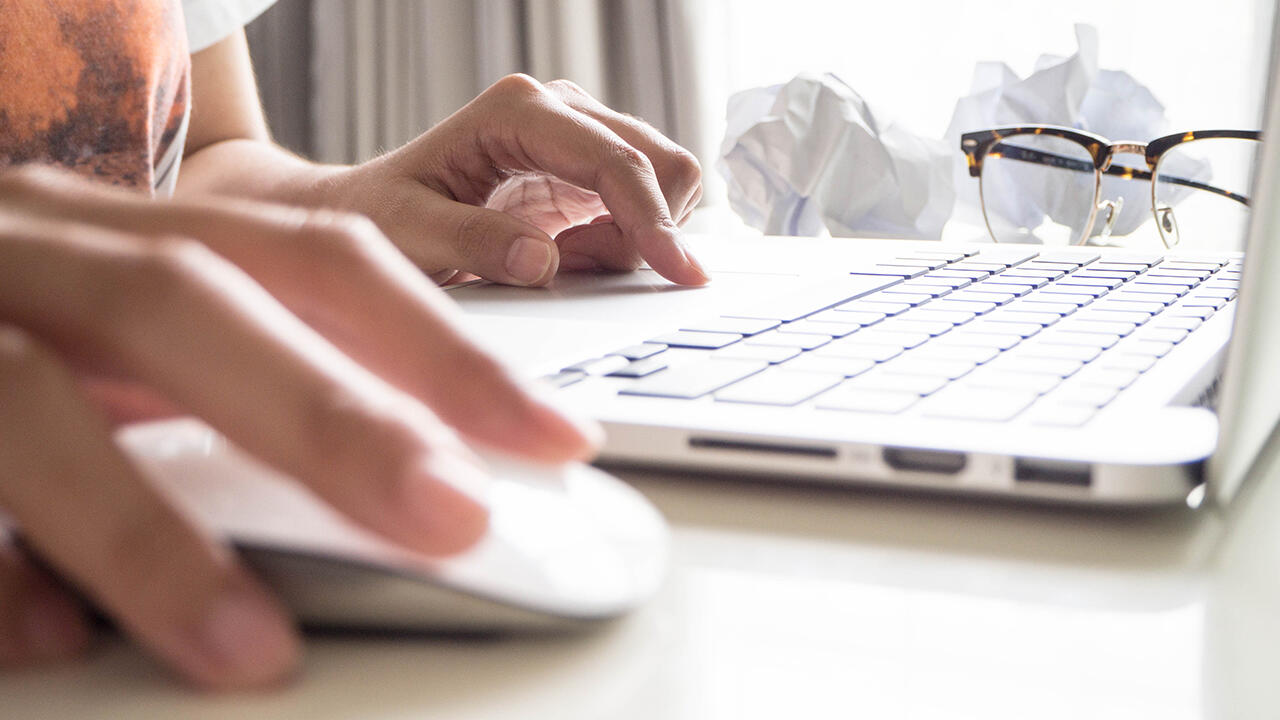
pixel 257 169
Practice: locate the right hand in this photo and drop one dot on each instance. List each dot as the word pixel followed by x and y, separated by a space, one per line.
pixel 303 336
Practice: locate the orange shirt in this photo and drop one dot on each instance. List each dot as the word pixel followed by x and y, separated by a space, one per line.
pixel 97 86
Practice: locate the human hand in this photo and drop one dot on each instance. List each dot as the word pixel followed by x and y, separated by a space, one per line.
pixel 306 338
pixel 487 190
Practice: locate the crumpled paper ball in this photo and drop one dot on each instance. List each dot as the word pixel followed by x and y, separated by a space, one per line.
pixel 812 156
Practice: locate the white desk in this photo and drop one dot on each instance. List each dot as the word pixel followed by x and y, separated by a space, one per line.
pixel 803 602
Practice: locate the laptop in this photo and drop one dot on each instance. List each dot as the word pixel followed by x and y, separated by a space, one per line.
pixel 872 362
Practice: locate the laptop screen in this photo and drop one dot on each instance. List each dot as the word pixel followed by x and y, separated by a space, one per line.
pixel 1250 405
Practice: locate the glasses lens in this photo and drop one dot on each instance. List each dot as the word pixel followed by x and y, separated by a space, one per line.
pixel 1038 189
pixel 1202 192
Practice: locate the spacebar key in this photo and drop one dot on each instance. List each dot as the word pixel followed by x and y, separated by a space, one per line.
pixel 694 379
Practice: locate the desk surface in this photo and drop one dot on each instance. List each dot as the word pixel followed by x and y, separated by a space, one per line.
pixel 814 602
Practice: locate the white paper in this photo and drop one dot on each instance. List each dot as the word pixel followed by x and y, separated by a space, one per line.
pixel 812 157
pixel 1068 91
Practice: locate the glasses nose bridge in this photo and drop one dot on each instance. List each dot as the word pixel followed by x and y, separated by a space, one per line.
pixel 1123 147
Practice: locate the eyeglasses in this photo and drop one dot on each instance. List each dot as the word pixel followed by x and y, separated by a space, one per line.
pixel 1049 184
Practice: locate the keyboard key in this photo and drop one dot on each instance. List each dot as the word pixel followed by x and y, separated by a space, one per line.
pixel 1061 367
pixel 1163 282
pixel 1027 304
pixel 1011 278
pixel 740 326
pixel 1114 327
pixel 818 296
pixel 949 272
pixel 1021 329
pixel 1112 377
pixel 984 405
pixel 999 298
pixel 840 315
pixel 778 387
pixel 931 281
pixel 985 377
pixel 1120 275
pixel 1042 265
pixel 1213 302
pixel 843 366
pixel 875 336
pixel 640 351
pixel 966 306
pixel 968 338
pixel 1172 335
pixel 860 350
pixel 1111 302
pixel 1000 283
pixel 1076 300
pixel 1101 341
pixel 1078 279
pixel 1055 289
pixel 911 323
pixel 1204 292
pixel 1106 314
pixel 1190 265
pixel 950 255
pixel 1081 353
pixel 1195 275
pixel 695 379
pixel 933 291
pixel 1012 314
pixel 1136 258
pixel 808 326
pixel 565 378
pixel 910 298
pixel 986 267
pixel 1046 273
pixel 772 354
pixel 1134 268
pixel 868 401
pixel 1155 348
pixel 1183 323
pixel 599 366
pixel 697 340
pixel 1164 299
pixel 1139 363
pixel 884 308
pixel 929 314
pixel 791 340
pixel 1199 313
pixel 944 368
pixel 1090 396
pixel 1006 256
pixel 932 263
pixel 882 380
pixel 973 353
pixel 641 368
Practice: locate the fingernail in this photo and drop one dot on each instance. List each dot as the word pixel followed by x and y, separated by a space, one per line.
pixel 53 628
pixel 693 263
pixel 577 261
pixel 528 260
pixel 245 632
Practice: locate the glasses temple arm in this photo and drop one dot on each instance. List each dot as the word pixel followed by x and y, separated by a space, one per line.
pixel 1014 152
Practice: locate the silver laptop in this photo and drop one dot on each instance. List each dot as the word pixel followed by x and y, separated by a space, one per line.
pixel 1076 374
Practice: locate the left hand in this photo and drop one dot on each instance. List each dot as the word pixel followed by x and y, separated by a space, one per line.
pixel 528 179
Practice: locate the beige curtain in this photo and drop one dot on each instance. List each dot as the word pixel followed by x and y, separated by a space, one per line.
pixel 385 70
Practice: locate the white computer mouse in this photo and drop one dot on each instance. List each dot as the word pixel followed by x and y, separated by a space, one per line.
pixel 566 546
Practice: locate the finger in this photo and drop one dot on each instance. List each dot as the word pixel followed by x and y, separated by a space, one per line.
pixel 530 129
pixel 85 509
pixel 491 244
pixel 596 246
pixel 192 326
pixel 39 621
pixel 344 278
pixel 678 171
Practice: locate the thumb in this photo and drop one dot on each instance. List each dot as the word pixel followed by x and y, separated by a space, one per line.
pixel 494 245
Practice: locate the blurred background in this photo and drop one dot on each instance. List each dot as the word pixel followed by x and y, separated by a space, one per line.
pixel 343 80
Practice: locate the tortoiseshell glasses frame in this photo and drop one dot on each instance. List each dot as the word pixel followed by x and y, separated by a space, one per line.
pixel 982 144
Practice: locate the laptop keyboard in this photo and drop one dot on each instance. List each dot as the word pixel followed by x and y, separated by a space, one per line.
pixel 1006 333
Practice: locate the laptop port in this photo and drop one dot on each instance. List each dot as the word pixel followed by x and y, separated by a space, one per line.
pixel 940 462
pixel 762 447
pixel 1057 472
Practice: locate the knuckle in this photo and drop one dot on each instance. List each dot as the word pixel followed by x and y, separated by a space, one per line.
pixel 684 168
pixel 138 286
pixel 348 235
pixel 629 160
pixel 517 85
pixel 567 87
